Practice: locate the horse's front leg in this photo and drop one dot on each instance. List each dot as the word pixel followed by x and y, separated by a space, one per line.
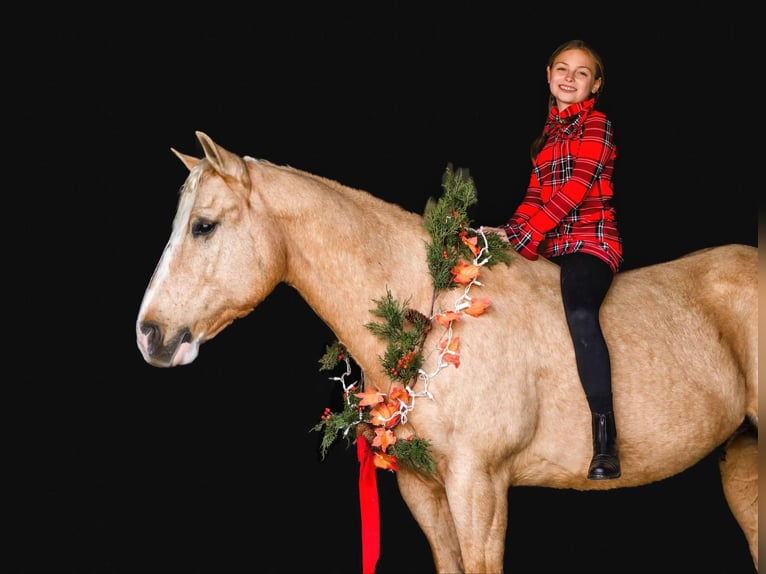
pixel 427 501
pixel 479 504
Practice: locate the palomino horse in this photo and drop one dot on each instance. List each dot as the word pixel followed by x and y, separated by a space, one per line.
pixel 683 336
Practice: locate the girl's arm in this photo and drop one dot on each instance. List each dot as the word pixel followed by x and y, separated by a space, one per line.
pixel 596 147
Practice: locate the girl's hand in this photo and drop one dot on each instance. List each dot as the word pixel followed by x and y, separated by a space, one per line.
pixel 524 238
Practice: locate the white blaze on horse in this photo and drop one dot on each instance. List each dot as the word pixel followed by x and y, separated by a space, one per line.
pixel 682 335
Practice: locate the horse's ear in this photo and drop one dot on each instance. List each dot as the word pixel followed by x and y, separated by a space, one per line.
pixel 226 163
pixel 189 161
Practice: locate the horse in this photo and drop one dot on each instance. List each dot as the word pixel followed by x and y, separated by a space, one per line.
pixel 682 335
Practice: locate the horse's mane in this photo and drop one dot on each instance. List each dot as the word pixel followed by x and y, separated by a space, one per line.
pixel 364 199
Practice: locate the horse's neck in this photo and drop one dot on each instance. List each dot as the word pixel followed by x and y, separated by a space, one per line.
pixel 346 248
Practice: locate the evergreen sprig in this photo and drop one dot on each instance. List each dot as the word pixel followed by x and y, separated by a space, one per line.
pixel 415 454
pixel 333 425
pixel 403 337
pixel 333 355
pixel 446 219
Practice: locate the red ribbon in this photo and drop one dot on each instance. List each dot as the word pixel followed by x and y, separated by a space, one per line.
pixel 368 502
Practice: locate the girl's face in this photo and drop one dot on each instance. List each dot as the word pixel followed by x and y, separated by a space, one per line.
pixel 572 78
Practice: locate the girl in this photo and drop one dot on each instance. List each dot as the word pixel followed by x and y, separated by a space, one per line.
pixel 567 216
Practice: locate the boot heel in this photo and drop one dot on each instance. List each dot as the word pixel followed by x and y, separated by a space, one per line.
pixel 605 464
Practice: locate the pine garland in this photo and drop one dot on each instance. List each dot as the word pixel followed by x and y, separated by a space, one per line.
pixel 404 330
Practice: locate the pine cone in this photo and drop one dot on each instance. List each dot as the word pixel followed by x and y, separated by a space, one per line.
pixel 415 316
pixel 367 431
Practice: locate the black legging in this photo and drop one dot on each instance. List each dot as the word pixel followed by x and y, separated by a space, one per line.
pixel 585 280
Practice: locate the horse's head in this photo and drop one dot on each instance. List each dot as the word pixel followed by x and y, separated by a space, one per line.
pixel 222 259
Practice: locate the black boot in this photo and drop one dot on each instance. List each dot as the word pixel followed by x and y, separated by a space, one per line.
pixel 605 463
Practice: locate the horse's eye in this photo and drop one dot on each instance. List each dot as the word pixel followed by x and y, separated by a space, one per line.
pixel 202 227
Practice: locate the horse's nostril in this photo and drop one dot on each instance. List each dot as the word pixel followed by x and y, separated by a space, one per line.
pixel 153 334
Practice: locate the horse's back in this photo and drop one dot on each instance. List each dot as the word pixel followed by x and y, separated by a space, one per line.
pixel 719 283
pixel 715 286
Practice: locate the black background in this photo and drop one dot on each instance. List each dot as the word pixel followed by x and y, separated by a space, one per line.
pixel 121 467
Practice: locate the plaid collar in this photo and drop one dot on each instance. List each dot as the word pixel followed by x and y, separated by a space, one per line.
pixel 568 114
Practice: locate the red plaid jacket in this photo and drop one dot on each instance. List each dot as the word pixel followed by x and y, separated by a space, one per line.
pixel 567 207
